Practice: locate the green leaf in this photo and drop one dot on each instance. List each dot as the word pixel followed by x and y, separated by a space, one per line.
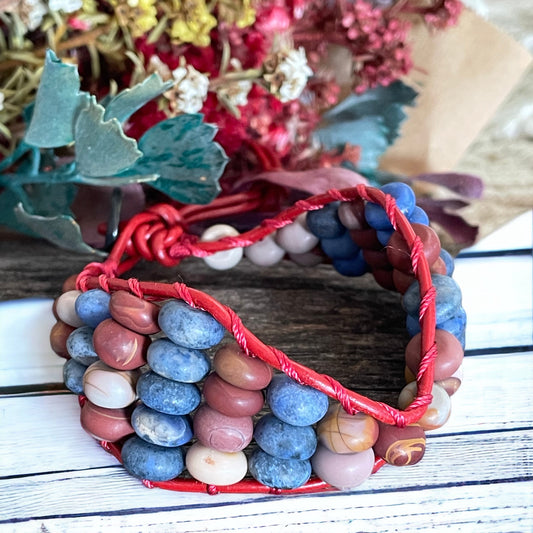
pixel 102 148
pixel 125 103
pixel 115 181
pixel 181 151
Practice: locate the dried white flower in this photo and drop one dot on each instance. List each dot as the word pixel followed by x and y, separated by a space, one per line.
pixel 31 12
pixel 67 6
pixel 235 92
pixel 156 65
pixel 190 89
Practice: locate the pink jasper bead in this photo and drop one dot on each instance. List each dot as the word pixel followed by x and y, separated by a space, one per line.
pixel 134 313
pixel 450 385
pixel 241 370
pixel 222 432
pixel 264 252
pixel 296 238
pixel 400 446
pixel 65 309
pixel 106 424
pixel 230 400
pixel 120 347
pixel 215 467
pixel 343 471
pixel 108 387
pixel 438 410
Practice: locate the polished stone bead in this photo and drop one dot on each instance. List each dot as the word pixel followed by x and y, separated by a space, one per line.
pixel 120 347
pixel 450 385
pixel 341 247
pixel 344 471
pixel 384 235
pixel 354 266
pixel 449 358
pixel 366 238
pixel 176 362
pixel 221 432
pixel 215 467
pixel 456 325
pixel 296 238
pixel 231 400
pixel 109 387
pixel 65 308
pixel 58 338
pixel 325 222
pixel 299 405
pixel 241 370
pixel 70 283
pixel 160 428
pixel 279 473
pixel 149 461
pixel 134 313
pixel 80 346
pixel 400 446
pixel 73 376
pixel 166 395
pixel 376 258
pixel 93 307
pixel 384 278
pixel 189 327
pixel 439 267
pixel 106 424
pixel 402 281
pixel 438 410
pixel 352 214
pixel 405 200
pixel 448 261
pixel 283 440
pixel 308 259
pixel 342 433
pixel 265 252
pixel 225 259
pixel 419 216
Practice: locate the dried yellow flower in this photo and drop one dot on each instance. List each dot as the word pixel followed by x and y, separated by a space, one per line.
pixel 139 16
pixel 238 12
pixel 191 22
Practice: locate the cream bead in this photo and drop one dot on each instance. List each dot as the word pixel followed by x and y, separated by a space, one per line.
pixel 264 252
pixel 226 259
pixel 438 410
pixel 296 238
pixel 66 310
pixel 347 216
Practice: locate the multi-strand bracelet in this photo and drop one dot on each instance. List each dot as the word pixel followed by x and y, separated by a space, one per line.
pixel 182 419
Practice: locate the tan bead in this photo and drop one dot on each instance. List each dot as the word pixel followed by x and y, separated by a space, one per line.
pixel 65 309
pixel 438 410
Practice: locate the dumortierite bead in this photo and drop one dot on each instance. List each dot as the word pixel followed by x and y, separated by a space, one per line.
pixel 384 235
pixel 325 222
pixel 341 247
pixel 353 266
pixel 80 346
pixel 176 362
pixel 448 299
pixel 405 200
pixel 455 325
pixel 278 473
pixel 93 307
pixel 189 327
pixel 73 376
pixel 296 404
pixel 283 440
pixel 166 395
pixel 419 216
pixel 160 428
pixel 149 461
pixel 448 261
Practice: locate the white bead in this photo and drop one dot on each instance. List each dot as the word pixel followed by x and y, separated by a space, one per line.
pixel 296 237
pixel 347 216
pixel 264 252
pixel 228 258
pixel 66 310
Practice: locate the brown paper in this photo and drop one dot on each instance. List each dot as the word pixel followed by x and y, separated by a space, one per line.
pixel 462 75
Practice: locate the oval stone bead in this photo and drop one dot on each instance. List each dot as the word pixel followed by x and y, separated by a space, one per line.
pixel 343 433
pixel 296 404
pixel 438 410
pixel 405 200
pixel 241 370
pixel 231 400
pixel 402 281
pixel 109 387
pixel 265 252
pixel 73 376
pixel 341 247
pixel 343 471
pixel 283 440
pixel 384 278
pixel 70 283
pixel 189 327
pixel 325 222
pixel 376 258
pixel 400 446
pixel 80 346
pixel 221 432
pixel 449 357
pixel 225 259
pixel 93 307
pixel 296 238
pixel 176 362
pixel 65 308
pixel 215 467
pixel 448 261
pixel 166 395
pixel 352 214
pixel 366 238
pixel 120 347
pixel 160 428
pixel 419 216
pixel 149 461
pixel 58 338
pixel 279 473
pixel 353 266
pixel 134 313
pixel 106 424
pixel 450 385
pixel 308 259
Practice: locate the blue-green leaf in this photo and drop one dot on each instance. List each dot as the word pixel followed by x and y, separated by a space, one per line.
pixel 125 103
pixel 102 148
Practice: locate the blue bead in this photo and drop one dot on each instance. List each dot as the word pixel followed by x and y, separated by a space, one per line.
pixel 160 428
pixel 278 473
pixel 149 461
pixel 448 300
pixel 341 247
pixel 80 346
pixel 93 307
pixel 455 325
pixel 324 223
pixel 189 327
pixel 295 404
pixel 384 236
pixel 176 362
pixel 283 440
pixel 73 376
pixel 419 216
pixel 448 261
pixel 166 395
pixel 405 200
pixel 354 266
pixel 412 325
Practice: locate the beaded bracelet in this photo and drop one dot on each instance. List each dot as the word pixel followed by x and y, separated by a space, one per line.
pixel 136 351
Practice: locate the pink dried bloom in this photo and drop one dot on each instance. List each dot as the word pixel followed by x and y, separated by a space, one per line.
pixel 444 14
